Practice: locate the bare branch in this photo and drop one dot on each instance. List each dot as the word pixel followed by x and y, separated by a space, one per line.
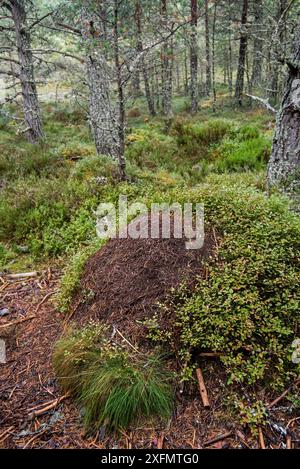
pixel 265 102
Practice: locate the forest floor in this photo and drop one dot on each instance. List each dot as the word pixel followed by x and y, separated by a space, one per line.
pixel 48 197
pixel 34 414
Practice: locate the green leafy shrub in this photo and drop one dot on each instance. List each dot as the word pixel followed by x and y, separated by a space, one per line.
pixel 248 306
pixel 115 386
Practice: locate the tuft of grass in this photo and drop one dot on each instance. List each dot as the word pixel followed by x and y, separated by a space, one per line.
pixel 115 387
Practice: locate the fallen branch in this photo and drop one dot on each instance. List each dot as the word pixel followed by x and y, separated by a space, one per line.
pixel 22 275
pixel 160 441
pixel 18 321
pixel 202 389
pixel 50 406
pixel 217 438
pixel 265 102
pixel 261 439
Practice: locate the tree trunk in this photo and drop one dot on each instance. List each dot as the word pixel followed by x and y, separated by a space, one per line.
pixel 258 44
pixel 194 57
pixel 207 51
pixel 102 114
pixel 239 89
pixel 34 130
pixel 278 40
pixel 121 97
pixel 138 22
pixel 214 58
pixel 284 163
pixel 167 65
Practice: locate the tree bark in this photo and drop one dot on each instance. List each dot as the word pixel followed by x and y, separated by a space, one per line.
pixel 194 57
pixel 167 65
pixel 32 116
pixel 258 44
pixel 138 22
pixel 284 163
pixel 121 97
pixel 207 51
pixel 275 52
pixel 102 114
pixel 239 89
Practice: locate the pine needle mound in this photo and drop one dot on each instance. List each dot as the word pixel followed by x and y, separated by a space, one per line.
pixel 115 386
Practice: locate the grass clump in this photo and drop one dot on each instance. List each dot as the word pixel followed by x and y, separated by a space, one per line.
pixel 116 387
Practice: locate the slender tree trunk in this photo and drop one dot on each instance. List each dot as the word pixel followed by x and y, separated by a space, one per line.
pixel 284 165
pixel 214 58
pixel 138 22
pixel 167 65
pixel 186 79
pixel 121 97
pixel 239 89
pixel 34 130
pixel 258 43
pixel 194 57
pixel 277 46
pixel 207 51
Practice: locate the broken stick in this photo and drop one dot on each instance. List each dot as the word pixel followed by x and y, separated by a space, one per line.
pixel 18 321
pixel 202 389
pixel 50 406
pixel 217 438
pixel 261 439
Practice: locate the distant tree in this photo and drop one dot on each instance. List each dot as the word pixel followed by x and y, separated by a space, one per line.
pixel 239 89
pixel 194 56
pixel 18 51
pixel 284 165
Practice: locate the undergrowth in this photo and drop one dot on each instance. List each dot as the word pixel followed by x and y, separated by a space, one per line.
pixel 115 386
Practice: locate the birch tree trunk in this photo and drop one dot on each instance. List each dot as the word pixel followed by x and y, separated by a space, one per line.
pixel 284 165
pixel 194 57
pixel 239 89
pixel 32 116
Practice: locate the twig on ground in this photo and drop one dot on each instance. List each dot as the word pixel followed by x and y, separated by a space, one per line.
pixel 217 438
pixel 45 299
pixel 282 396
pixel 202 389
pixel 261 439
pixel 160 440
pixel 289 442
pixel 18 321
pixel 22 275
pixel 50 406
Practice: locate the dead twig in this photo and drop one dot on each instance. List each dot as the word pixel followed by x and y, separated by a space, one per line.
pixel 289 442
pixel 217 438
pixel 261 439
pixel 18 321
pixel 282 396
pixel 202 389
pixel 22 275
pixel 33 438
pixel 50 406
pixel 44 299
